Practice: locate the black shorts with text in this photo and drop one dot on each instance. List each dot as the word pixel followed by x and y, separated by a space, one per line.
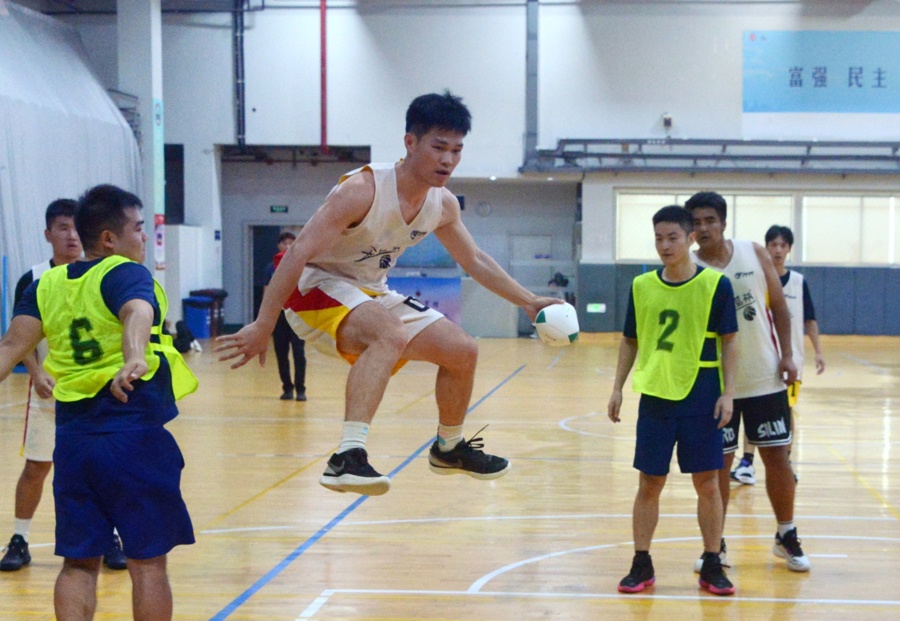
pixel 767 420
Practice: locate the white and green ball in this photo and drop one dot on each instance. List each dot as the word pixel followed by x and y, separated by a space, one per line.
pixel 557 324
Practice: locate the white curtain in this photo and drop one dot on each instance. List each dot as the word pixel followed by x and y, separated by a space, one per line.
pixel 60 133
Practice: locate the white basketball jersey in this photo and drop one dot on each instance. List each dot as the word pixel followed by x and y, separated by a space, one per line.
pixel 42 349
pixel 365 253
pixel 793 294
pixel 757 369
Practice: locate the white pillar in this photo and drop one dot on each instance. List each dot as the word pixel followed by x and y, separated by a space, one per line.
pixel 140 73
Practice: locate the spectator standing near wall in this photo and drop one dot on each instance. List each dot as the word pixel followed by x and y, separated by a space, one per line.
pixel 286 340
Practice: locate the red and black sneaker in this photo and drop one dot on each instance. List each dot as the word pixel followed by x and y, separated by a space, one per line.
pixel 640 577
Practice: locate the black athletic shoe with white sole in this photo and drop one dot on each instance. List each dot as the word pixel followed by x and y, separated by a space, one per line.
pixel 16 554
pixel 467 458
pixel 350 472
pixel 787 546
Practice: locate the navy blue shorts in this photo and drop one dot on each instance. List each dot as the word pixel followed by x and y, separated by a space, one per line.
pixel 129 480
pixel 698 438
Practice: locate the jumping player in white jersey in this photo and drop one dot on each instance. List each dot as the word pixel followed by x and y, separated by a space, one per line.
pixel 332 287
pixel 763 370
pixel 779 241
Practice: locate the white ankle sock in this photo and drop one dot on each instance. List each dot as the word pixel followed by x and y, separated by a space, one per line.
pixel 448 436
pixel 22 527
pixel 784 527
pixel 354 436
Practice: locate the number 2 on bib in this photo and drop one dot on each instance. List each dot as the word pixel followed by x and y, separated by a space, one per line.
pixel 669 319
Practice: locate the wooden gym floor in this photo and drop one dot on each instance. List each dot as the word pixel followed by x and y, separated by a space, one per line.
pixel 548 541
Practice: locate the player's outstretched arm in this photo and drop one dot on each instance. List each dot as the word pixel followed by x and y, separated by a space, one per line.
pixel 137 320
pixel 24 333
pixel 628 349
pixel 346 206
pixel 454 236
pixel 725 403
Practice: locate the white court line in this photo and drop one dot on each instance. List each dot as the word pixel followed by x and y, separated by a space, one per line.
pixel 315 606
pixel 510 518
pixel 13 404
pixel 478 584
pixel 866 363
pixel 618 596
pixel 564 425
pixel 248 529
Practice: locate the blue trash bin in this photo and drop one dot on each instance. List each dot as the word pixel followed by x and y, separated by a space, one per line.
pixel 198 315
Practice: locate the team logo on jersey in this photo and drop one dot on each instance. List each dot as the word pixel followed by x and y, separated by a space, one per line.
pixel 382 255
pixel 742 274
pixel 417 234
pixel 745 305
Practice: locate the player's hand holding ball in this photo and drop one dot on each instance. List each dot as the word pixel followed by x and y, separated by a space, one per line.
pixel 557 324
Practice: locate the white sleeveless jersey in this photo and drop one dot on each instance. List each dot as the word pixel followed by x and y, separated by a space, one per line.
pixel 793 294
pixel 365 253
pixel 757 369
pixel 42 349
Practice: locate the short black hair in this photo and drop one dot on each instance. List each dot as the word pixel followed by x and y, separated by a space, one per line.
pixel 286 235
pixel 776 230
pixel 102 208
pixel 677 214
pixel 708 199
pixel 445 111
pixel 60 208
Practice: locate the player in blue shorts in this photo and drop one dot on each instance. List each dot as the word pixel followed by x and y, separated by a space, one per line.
pixel 680 328
pixel 117 378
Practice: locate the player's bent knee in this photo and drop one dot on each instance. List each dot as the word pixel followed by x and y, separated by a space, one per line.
pixel 468 349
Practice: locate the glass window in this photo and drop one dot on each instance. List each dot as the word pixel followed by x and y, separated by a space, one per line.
pixel 831 229
pixel 838 230
pixel 876 229
pixel 753 215
pixel 634 225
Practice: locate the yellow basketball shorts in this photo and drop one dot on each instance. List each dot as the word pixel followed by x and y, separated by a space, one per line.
pixel 316 315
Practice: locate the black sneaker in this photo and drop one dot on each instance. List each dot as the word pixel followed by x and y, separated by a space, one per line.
pixel 467 458
pixel 17 555
pixel 115 558
pixel 640 577
pixel 301 395
pixel 723 557
pixel 712 576
pixel 287 395
pixel 350 472
pixel 788 548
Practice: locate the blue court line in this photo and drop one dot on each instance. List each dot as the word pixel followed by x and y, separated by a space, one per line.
pixel 241 599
